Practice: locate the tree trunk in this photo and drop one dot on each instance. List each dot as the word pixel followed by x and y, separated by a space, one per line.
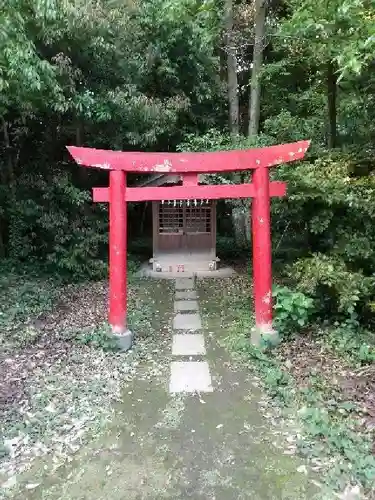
pixel 8 149
pixel 79 134
pixel 233 100
pixel 331 104
pixel 255 88
pixel 3 230
pixel 8 179
pixel 241 223
pixel 83 173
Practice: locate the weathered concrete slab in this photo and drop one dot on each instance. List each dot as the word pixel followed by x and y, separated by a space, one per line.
pixel 146 271
pixel 222 272
pixel 186 295
pixel 184 284
pixel 189 322
pixel 190 376
pixel 185 305
pixel 188 344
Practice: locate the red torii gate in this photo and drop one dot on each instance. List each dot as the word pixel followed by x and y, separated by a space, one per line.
pixel 189 165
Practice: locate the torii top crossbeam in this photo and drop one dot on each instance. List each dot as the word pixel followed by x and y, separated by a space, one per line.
pixel 209 162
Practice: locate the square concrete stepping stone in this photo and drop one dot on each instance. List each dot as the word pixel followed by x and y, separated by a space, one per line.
pixel 184 284
pixel 186 295
pixel 188 344
pixel 190 322
pixel 185 305
pixel 190 376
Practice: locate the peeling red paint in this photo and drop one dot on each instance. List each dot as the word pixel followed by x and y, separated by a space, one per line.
pixel 117 249
pixel 268 297
pixel 216 161
pixel 262 263
pixel 166 166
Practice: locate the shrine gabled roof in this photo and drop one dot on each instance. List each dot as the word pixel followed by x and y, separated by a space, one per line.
pixel 165 179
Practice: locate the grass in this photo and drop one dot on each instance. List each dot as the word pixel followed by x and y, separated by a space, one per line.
pixel 335 437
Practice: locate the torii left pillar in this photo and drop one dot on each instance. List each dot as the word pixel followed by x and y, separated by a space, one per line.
pixel 118 258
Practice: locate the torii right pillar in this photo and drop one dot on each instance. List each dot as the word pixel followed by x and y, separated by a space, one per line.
pixel 263 332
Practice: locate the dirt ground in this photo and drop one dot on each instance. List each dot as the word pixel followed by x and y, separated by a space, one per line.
pixel 80 422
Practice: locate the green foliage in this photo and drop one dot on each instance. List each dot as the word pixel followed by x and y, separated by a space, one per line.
pixel 293 310
pixel 25 75
pixel 278 383
pixel 329 278
pixel 133 265
pixel 325 226
pixel 216 140
pixel 338 437
pixel 141 319
pixel 340 30
pixel 350 341
pixel 107 74
pixel 288 127
pixel 23 296
pixel 149 76
pixel 99 337
pixel 51 224
pixel 228 249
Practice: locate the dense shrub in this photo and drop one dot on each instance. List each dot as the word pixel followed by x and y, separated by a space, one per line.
pixel 327 221
pixel 54 225
pixel 323 231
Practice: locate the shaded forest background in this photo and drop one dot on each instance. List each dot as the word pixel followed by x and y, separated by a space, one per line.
pixel 193 75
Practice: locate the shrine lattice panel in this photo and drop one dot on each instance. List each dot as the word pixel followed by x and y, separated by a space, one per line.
pixel 191 216
pixel 171 219
pixel 198 218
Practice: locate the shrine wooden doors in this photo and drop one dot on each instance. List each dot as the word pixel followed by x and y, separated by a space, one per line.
pixel 184 226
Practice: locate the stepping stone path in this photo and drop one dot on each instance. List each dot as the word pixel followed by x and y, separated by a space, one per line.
pixel 185 305
pixel 192 374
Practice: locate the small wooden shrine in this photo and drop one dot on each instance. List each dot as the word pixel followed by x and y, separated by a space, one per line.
pixel 184 231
